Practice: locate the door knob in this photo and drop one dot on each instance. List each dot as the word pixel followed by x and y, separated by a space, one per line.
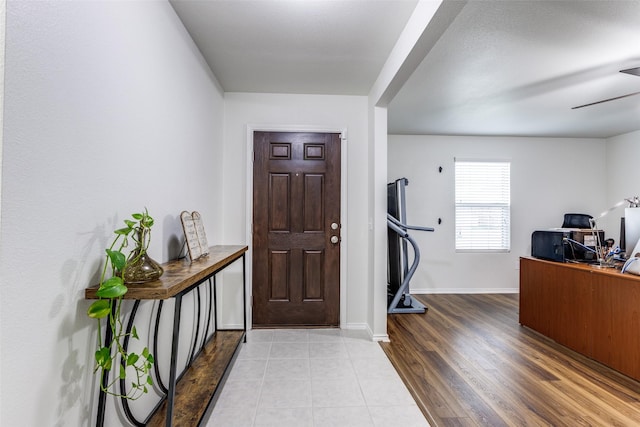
pixel 334 226
pixel 334 239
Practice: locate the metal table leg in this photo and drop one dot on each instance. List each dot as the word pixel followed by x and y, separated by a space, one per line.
pixel 174 360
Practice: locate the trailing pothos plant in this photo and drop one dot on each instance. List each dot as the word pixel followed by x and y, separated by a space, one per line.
pixel 110 291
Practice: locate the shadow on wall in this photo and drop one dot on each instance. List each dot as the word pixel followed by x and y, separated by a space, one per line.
pixel 173 235
pixel 73 357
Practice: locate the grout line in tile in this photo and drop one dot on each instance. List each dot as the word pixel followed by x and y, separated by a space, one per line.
pixel 344 339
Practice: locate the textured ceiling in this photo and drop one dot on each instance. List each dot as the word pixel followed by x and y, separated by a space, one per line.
pixel 518 67
pixel 500 68
pixel 295 46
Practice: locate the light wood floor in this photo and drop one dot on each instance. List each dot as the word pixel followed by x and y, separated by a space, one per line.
pixel 468 362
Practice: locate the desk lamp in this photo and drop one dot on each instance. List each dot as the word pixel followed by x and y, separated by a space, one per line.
pixel 604 258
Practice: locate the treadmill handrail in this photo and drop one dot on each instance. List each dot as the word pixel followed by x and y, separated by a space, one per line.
pixel 407 227
pixel 399 230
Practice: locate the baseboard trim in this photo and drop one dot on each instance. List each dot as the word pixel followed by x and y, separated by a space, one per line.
pixel 466 291
pixel 232 326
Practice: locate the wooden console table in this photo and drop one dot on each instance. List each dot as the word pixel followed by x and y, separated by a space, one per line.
pixel 189 394
pixel 594 311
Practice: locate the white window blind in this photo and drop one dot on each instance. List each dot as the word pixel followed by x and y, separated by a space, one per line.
pixel 483 206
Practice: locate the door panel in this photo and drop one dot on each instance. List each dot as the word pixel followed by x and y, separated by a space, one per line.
pixel 278 281
pixel 296 197
pixel 279 203
pixel 313 205
pixel 313 275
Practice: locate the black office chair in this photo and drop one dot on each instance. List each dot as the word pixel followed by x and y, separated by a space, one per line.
pixel 575 220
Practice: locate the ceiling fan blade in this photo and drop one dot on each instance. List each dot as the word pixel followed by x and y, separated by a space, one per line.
pixel 606 100
pixel 633 71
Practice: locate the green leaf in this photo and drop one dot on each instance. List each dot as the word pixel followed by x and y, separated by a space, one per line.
pixel 130 223
pixel 111 282
pixel 99 309
pixel 149 380
pixel 123 373
pixel 145 390
pixel 102 355
pixel 150 359
pixel 137 216
pixel 118 260
pixel 124 231
pixel 113 291
pixel 145 352
pixel 132 359
pixel 103 358
pixel 134 332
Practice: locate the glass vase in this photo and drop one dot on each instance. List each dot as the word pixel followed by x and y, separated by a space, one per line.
pixel 141 268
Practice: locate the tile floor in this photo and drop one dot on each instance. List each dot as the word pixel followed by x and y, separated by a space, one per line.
pixel 317 377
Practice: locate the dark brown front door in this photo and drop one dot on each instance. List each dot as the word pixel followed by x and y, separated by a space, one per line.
pixel 296 213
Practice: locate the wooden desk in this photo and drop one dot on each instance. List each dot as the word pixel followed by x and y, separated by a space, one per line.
pixel 207 366
pixel 594 311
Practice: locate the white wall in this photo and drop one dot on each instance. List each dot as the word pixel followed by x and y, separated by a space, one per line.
pixel 3 10
pixel 109 108
pixel 245 111
pixel 622 177
pixel 377 247
pixel 549 177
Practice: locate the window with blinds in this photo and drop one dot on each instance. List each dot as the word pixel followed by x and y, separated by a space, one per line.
pixel 483 206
